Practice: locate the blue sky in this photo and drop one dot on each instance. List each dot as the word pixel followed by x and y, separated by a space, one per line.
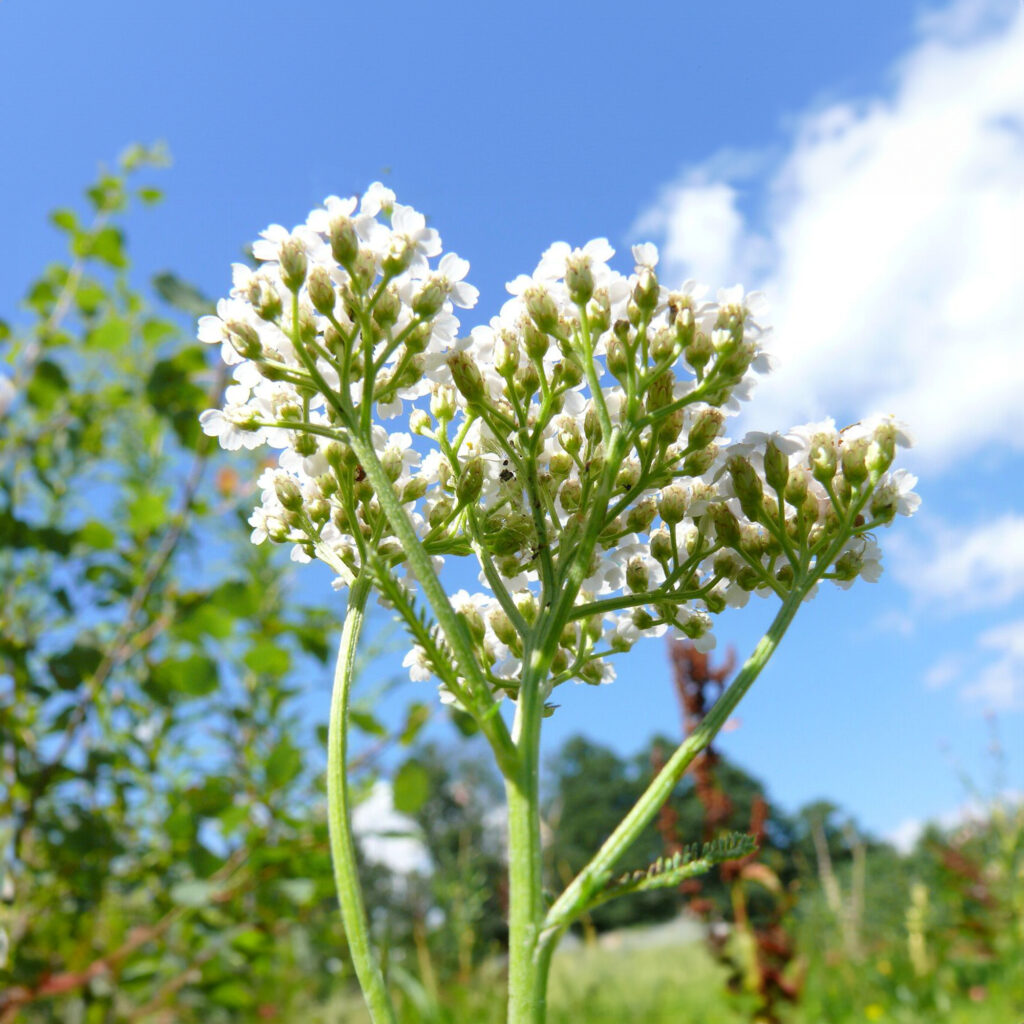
pixel 863 168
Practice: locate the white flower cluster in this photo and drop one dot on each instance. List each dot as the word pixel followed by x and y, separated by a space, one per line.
pixel 575 442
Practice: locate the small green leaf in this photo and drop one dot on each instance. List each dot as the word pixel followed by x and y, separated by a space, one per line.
pixel 97 536
pixel 417 716
pixel 47 385
pixel 410 787
pixel 367 722
pixel 64 219
pixel 111 336
pixel 155 330
pixel 299 890
pixel 149 195
pixel 106 245
pixel 193 894
pixel 147 512
pixel 283 764
pixel 268 658
pixel 232 994
pixel 250 940
pixel 183 678
pixel 74 665
pixel 181 295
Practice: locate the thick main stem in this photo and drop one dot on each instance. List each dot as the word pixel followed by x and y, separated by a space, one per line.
pixel 339 824
pixel 526 984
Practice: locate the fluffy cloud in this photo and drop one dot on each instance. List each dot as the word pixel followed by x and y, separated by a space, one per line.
pixel 965 568
pixel 888 240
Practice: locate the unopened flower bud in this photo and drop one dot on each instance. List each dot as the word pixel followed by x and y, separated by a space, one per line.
pixel 579 280
pixel 646 290
pixel 727 527
pixel 288 493
pixel 363 271
pixel 391 460
pixel 660 392
pixel 669 429
pixel 640 516
pixel 661 546
pixel 570 438
pixel 535 340
pixel 420 422
pixel 698 463
pixel 823 457
pixel 542 309
pixel 427 302
pixel 474 621
pixel 568 372
pixel 848 566
pixel 398 256
pixel 467 377
pixel 638 576
pixel 672 504
pixel 502 626
pixel 344 241
pixel 570 495
pixel 245 339
pixel 319 511
pixel 699 351
pixel 592 423
pixel 265 300
pixel 417 339
pixel 471 481
pixel 663 346
pixel 527 380
pixel 442 402
pixel 855 454
pixel 527 605
pixel 305 445
pixel 560 465
pixel 387 308
pixel 724 564
pixel 293 264
pixel 321 291
pixel 439 513
pixel 776 467
pixel 506 355
pixel 706 426
pixel 327 483
pixel 628 476
pixel 747 485
pixel 885 503
pixel 747 579
pixel 796 488
pixel 600 312
pixel 617 357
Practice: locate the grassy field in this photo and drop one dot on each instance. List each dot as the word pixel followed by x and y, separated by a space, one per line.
pixel 634 977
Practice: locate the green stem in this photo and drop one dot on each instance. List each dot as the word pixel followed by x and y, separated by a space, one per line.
pixel 526 984
pixel 574 900
pixel 343 851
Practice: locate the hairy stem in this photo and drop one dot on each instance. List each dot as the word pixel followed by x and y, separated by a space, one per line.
pixel 343 852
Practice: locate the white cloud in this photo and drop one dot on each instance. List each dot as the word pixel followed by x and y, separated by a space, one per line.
pixel 991 678
pixel 889 242
pixel 905 835
pixel 965 568
pixel 387 837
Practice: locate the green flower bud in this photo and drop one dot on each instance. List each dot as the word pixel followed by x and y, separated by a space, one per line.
pixel 617 358
pixel 698 463
pixel 344 241
pixel 475 623
pixel 559 663
pixel 646 290
pixel 747 485
pixel 535 340
pixel 669 429
pixel 672 504
pixel 727 527
pixel 570 495
pixel 319 511
pixel 288 493
pixel 265 301
pixel 467 376
pixel 506 355
pixel 413 489
pixel 567 373
pixel 776 467
pixel 417 339
pixel 885 503
pixel 570 438
pixel 824 457
pixel 664 346
pixel 592 424
pixel 321 291
pixel 439 513
pixel 471 481
pixel 277 530
pixel 560 465
pixel 842 488
pixel 854 454
pixel 660 392
pixel 293 264
pixel 796 488
pixel 363 271
pixel 661 546
pixel 327 484
pixel 579 280
pixel 527 605
pixel 786 575
pixel 628 476
pixel 600 312
pixel 245 339
pixel 387 308
pixel 748 579
pixel 427 302
pixel 640 516
pixel 724 564
pixel 706 426
pixel 638 577
pixel 542 309
pixel 848 566
pixel 398 257
pixel 305 445
pixel 442 402
pixel 699 351
pixel 502 626
pixel 420 422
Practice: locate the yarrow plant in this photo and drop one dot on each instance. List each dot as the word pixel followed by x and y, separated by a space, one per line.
pixel 574 447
